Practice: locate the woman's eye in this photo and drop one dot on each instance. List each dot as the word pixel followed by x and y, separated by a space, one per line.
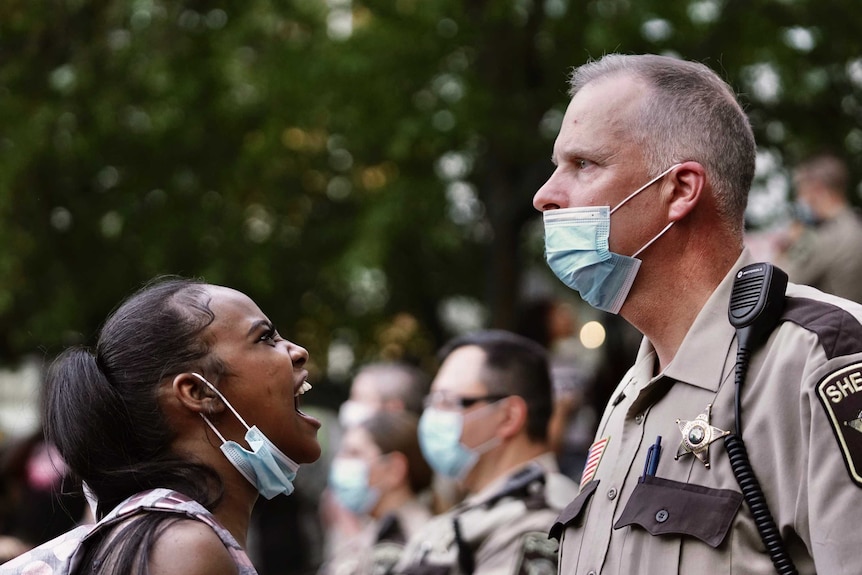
pixel 269 336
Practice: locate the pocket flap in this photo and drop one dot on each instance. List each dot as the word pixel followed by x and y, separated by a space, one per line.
pixel 663 506
pixel 572 510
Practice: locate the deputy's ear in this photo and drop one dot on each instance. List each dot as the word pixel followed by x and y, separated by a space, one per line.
pixel 514 410
pixel 689 181
pixel 191 390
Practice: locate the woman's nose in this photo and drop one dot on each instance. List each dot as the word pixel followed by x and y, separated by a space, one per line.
pixel 298 354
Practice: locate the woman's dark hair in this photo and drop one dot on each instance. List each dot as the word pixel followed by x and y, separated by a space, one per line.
pixel 396 431
pixel 101 407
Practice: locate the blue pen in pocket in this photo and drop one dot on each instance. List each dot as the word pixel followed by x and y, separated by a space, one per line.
pixel 653 455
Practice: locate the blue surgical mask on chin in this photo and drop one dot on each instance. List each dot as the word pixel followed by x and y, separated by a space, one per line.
pixel 264 466
pixel 348 479
pixel 577 251
pixel 440 442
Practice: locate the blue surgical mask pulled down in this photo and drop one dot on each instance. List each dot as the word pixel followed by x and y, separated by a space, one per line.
pixel 440 442
pixel 577 251
pixel 265 466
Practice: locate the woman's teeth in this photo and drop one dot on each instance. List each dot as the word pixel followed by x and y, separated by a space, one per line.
pixel 303 388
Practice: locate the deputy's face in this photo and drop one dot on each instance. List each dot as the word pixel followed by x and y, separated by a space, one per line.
pixel 598 162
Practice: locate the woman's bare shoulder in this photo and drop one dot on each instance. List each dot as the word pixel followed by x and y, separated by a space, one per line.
pixel 192 548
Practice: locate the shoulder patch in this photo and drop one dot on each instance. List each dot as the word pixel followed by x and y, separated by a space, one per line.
pixel 538 554
pixel 840 392
pixel 839 332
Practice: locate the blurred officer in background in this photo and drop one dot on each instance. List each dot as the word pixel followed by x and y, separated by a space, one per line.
pixel 485 424
pixel 644 217
pixel 824 249
pixel 387 386
pixel 378 387
pixel 379 473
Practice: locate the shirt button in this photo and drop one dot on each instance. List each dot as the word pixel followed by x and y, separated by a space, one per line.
pixel 591 573
pixel 661 516
pixel 639 418
pixel 612 493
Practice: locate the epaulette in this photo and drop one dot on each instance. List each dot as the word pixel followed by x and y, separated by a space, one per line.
pixel 839 332
pixel 528 484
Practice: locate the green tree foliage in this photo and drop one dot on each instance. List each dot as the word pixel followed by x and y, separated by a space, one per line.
pixel 351 179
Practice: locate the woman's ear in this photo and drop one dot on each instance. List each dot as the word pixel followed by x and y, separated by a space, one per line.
pixel 689 180
pixel 192 391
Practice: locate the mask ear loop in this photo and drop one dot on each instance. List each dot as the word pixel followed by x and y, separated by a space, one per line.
pixel 649 243
pixel 226 402
pixel 639 190
pixel 645 186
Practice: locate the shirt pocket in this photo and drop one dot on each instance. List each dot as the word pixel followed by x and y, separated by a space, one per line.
pixel 661 506
pixel 573 511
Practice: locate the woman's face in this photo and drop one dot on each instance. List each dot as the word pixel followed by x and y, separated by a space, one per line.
pixel 264 376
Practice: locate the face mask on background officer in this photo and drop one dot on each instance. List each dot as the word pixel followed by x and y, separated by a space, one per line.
pixel 359 472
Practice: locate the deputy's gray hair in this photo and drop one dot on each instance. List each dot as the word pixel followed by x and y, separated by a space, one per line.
pixel 689 114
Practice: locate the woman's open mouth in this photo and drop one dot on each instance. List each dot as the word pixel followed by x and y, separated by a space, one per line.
pixel 300 391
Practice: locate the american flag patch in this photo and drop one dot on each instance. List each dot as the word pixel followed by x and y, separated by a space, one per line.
pixel 597 449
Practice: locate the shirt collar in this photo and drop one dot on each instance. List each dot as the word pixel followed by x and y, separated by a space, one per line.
pixel 696 361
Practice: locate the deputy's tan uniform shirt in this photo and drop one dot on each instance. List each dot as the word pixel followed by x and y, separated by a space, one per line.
pixel 499 535
pixel 801 408
pixel 830 257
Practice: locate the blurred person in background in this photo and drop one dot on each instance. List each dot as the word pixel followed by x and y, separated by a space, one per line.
pixel 379 474
pixel 485 425
pixel 40 500
pixel 823 248
pixel 381 386
pixel 553 324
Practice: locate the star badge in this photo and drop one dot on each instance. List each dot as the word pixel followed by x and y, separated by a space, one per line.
pixel 697 434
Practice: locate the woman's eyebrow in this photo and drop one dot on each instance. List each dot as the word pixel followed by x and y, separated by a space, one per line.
pixel 256 325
